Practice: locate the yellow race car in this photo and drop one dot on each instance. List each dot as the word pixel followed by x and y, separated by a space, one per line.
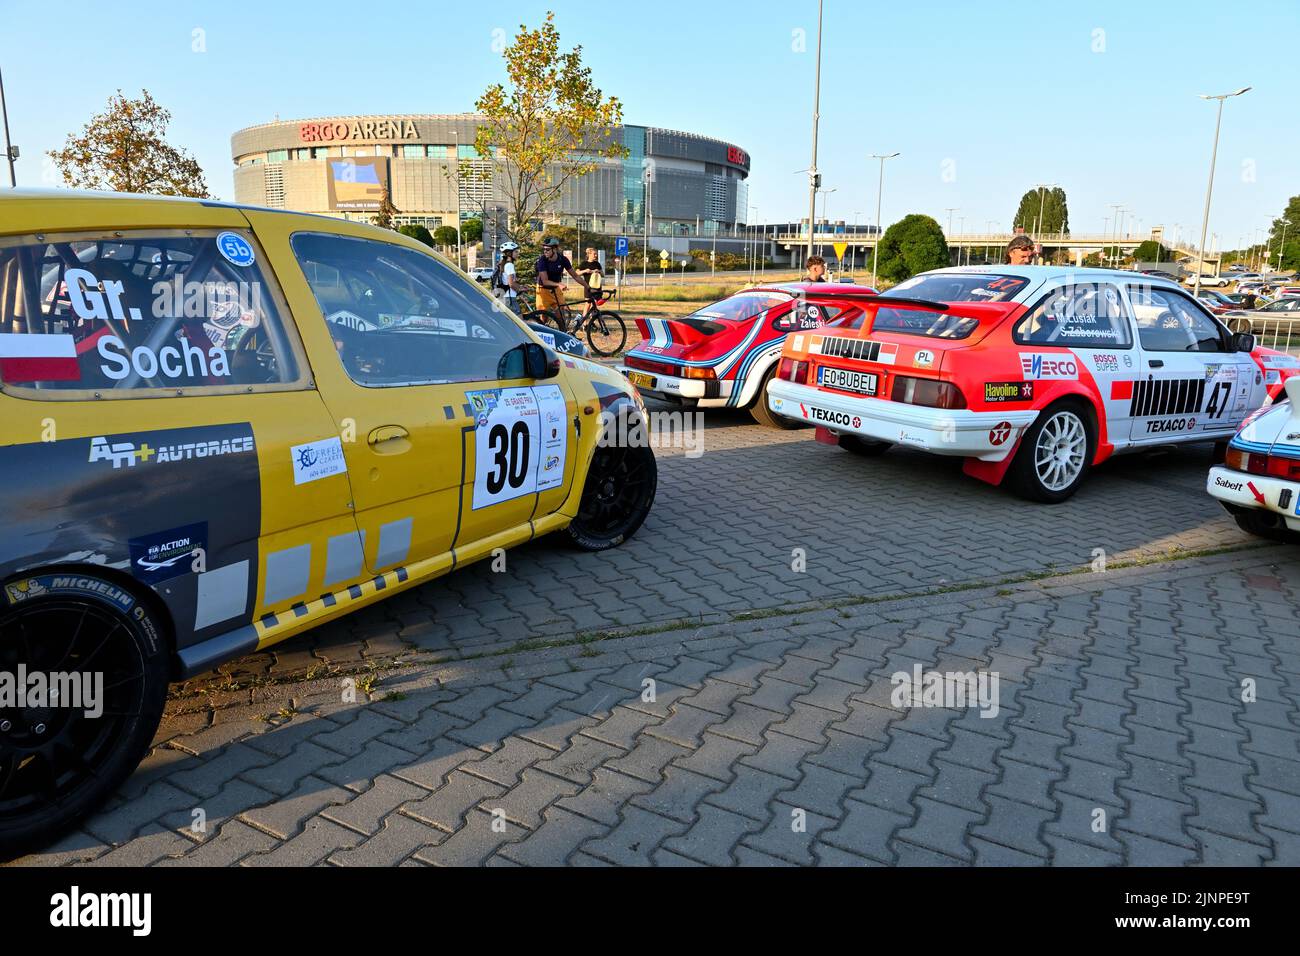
pixel 221 426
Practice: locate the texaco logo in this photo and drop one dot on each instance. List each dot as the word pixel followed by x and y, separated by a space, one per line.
pixel 999 433
pixel 857 422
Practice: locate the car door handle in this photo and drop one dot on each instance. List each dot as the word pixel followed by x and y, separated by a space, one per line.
pixel 389 440
pixel 1156 363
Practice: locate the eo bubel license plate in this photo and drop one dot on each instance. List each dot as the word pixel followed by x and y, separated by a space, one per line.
pixel 847 380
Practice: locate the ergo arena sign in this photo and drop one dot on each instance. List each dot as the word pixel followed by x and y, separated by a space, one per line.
pixel 338 131
pixel 738 156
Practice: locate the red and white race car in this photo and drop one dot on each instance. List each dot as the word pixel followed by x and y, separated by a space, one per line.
pixel 1030 373
pixel 724 355
pixel 1259 480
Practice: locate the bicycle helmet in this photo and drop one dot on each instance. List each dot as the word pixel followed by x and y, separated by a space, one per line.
pixel 509 247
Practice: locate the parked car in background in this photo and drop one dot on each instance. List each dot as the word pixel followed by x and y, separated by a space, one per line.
pixel 1031 374
pixel 1217 302
pixel 1259 480
pixel 725 354
pixel 482 274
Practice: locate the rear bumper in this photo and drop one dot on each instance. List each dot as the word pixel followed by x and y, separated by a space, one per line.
pixel 671 388
pixel 988 436
pixel 1235 490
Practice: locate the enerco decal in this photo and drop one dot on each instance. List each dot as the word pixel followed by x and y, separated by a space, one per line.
pixel 1036 365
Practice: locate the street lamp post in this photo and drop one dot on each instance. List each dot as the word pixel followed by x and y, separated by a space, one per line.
pixel 1209 188
pixel 814 178
pixel 948 236
pixel 880 188
pixel 1282 245
pixel 11 151
pixel 460 219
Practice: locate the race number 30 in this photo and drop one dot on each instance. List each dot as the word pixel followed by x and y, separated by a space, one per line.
pixel 509 457
pixel 520 442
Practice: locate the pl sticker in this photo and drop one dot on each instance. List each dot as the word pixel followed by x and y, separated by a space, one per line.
pixel 520 442
pixel 235 249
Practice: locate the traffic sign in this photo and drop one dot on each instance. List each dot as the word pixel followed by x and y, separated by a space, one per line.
pixel 620 247
pixel 839 247
pixel 663 254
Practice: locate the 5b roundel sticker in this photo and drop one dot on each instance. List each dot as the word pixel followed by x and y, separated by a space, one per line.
pixel 235 249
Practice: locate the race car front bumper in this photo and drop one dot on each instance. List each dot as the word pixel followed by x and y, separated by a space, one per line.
pixel 1237 490
pixel 671 388
pixel 988 436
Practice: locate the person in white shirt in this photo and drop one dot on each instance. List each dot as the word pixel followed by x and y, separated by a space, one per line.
pixel 505 283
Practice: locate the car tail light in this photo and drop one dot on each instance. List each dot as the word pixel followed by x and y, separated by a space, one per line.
pixel 1255 463
pixel 690 371
pixel 926 391
pixel 792 370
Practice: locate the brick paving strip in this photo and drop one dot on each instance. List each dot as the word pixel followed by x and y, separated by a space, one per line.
pixel 1146 715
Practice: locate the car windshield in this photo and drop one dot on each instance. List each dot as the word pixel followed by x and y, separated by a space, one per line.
pixel 944 287
pixel 742 306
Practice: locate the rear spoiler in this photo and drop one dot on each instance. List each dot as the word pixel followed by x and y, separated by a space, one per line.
pixel 976 311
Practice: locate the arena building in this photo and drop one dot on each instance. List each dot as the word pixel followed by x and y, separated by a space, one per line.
pixel 341 165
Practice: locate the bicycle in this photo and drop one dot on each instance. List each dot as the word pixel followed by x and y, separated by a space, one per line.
pixel 605 330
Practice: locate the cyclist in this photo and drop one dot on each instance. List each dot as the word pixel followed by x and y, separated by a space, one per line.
pixel 505 284
pixel 593 275
pixel 551 268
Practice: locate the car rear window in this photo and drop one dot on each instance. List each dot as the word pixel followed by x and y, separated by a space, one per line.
pixel 742 306
pixel 944 287
pixel 140 315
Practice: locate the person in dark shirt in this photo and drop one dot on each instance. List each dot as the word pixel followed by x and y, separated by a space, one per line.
pixel 816 267
pixel 551 268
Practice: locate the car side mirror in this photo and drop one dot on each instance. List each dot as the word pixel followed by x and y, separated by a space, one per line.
pixel 528 360
pixel 1243 342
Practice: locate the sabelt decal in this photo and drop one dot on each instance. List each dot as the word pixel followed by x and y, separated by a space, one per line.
pixel 167 554
pixel 1048 365
pixel 318 459
pixel 996 392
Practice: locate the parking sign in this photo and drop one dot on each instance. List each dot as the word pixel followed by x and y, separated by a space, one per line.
pixel 620 247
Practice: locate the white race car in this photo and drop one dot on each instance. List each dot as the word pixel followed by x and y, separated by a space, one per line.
pixel 1259 481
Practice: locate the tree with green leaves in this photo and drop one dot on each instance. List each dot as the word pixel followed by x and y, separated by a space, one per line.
pixel 383 217
pixel 420 233
pixel 125 149
pixel 1044 209
pixel 1151 251
pixel 914 244
pixel 1291 251
pixel 471 230
pixel 549 124
pixel 444 236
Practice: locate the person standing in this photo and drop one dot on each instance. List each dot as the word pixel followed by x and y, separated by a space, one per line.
pixel 551 268
pixel 505 283
pixel 1020 251
pixel 816 269
pixel 593 274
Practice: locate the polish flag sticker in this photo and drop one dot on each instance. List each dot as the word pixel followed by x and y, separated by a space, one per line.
pixel 38 358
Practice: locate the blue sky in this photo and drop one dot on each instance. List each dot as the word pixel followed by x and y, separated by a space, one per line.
pixel 982 99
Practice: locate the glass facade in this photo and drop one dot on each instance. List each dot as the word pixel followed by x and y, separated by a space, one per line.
pixel 634 172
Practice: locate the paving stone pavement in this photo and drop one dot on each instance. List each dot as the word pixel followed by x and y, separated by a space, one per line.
pixel 1145 715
